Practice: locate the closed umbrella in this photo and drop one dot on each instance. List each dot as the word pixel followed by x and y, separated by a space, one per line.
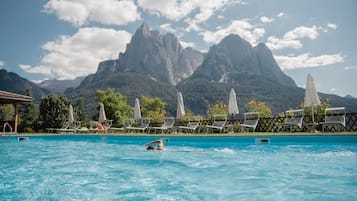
pixel 232 103
pixel 70 114
pixel 137 111
pixel 102 116
pixel 311 96
pixel 180 112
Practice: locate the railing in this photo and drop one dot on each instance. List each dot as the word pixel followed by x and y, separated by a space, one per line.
pixel 6 124
pixel 270 124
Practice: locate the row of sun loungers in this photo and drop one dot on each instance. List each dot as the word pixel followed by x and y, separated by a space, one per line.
pixel 293 119
pixel 333 117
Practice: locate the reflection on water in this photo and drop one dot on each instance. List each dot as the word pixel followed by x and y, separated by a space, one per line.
pixel 123 170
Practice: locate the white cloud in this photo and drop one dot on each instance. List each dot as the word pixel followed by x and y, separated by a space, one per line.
pixel 187 44
pixel 350 67
pixel 78 12
pixel 178 9
pixel 276 43
pixel 168 28
pixel 292 38
pixel 332 26
pixel 39 81
pixel 220 17
pixel 265 19
pixel 240 27
pixel 2 63
pixel 281 14
pixel 78 55
pixel 333 90
pixel 307 61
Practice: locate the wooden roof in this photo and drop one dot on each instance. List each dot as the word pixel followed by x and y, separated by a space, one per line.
pixel 8 97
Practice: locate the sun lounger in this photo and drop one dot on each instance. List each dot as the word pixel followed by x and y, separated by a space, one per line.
pixel 191 127
pixel 67 127
pixel 169 122
pixel 293 118
pixel 219 123
pixel 144 124
pixel 334 117
pixel 251 120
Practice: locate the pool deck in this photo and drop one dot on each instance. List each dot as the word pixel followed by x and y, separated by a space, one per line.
pixel 240 134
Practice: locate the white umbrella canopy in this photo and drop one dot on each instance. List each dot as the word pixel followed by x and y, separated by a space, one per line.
pixel 311 97
pixel 232 103
pixel 70 114
pixel 137 111
pixel 102 116
pixel 180 111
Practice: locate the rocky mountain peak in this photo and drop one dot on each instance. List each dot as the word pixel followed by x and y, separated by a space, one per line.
pixel 160 56
pixel 235 56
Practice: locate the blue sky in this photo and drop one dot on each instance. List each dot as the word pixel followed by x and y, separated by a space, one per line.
pixel 63 39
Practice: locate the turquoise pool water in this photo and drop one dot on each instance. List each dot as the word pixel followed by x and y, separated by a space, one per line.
pixel 191 168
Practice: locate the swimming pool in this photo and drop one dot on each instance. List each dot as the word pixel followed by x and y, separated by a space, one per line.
pixel 191 168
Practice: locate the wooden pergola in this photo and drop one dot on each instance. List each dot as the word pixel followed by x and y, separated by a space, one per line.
pixel 14 99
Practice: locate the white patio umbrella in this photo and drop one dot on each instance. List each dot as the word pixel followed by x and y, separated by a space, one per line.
pixel 70 114
pixel 232 103
pixel 102 116
pixel 137 111
pixel 180 112
pixel 311 97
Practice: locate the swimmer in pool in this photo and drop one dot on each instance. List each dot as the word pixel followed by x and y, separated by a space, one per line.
pixel 160 145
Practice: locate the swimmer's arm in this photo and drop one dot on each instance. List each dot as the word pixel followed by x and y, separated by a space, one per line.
pixel 153 142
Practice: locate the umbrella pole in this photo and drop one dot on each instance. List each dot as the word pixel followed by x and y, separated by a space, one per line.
pixel 312 112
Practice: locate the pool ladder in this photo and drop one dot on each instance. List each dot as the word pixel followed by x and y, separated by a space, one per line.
pixel 8 125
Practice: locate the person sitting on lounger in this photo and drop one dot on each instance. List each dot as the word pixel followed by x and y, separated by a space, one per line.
pixel 150 145
pixel 99 127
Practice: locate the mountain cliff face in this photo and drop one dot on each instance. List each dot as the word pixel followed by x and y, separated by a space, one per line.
pixel 12 82
pixel 160 56
pixel 234 56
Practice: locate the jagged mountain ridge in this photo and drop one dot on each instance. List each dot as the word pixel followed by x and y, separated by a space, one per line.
pixel 59 86
pixel 252 71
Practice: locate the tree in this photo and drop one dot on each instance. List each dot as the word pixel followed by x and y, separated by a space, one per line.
pixel 153 108
pixel 217 108
pixel 115 104
pixel 7 112
pixel 80 115
pixel 53 111
pixel 254 106
pixel 28 121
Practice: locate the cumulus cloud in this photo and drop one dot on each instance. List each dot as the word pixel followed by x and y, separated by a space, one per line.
pixel 307 61
pixel 291 39
pixel 78 12
pixel 265 19
pixel 78 55
pixel 176 10
pixel 240 27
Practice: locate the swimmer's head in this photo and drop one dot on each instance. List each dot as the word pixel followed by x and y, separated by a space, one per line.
pixel 150 147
